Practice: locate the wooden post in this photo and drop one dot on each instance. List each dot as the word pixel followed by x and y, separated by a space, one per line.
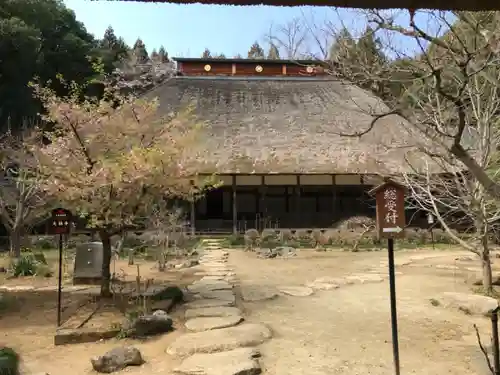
pixel 193 216
pixel 334 197
pixel 297 200
pixel 263 205
pixel 234 205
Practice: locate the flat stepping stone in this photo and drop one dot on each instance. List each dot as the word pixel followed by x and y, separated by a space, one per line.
pixel 218 340
pixel 241 361
pixel 447 267
pixel 19 288
pixel 209 302
pixel 365 278
pixel 322 286
pixel 209 312
pixel 209 323
pixel 209 285
pixel 218 294
pixel 471 304
pixel 296 291
pixel 258 293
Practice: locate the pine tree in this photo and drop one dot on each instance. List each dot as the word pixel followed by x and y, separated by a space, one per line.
pixel 344 47
pixel 274 53
pixel 220 56
pixel 256 52
pixel 163 55
pixel 140 52
pixel 155 56
pixel 109 40
pixel 206 54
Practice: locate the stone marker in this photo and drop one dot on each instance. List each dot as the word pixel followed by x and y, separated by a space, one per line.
pixel 241 361
pixel 206 324
pixel 88 263
pixel 255 293
pixel 212 312
pixel 296 291
pixel 217 340
pixel 469 303
pixel 117 359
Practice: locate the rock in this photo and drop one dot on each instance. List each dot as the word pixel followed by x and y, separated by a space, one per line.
pixel 285 251
pixel 117 359
pixel 241 361
pixel 296 291
pixel 217 340
pixel 152 324
pixel 165 305
pixel 467 258
pixel 208 323
pixel 212 302
pixel 322 286
pixel 170 292
pixel 190 263
pixel 447 267
pixel 212 277
pixel 218 294
pixel 254 293
pixel 471 304
pixel 203 285
pixel 364 278
pixel 207 312
pixel 495 281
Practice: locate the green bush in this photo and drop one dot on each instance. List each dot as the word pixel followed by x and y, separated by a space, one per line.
pixel 235 240
pixel 9 361
pixel 44 243
pixel 26 265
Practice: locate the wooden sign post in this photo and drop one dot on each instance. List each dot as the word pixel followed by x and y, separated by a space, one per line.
pixel 390 202
pixel 61 221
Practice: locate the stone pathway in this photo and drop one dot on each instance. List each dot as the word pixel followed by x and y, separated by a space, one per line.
pixel 219 341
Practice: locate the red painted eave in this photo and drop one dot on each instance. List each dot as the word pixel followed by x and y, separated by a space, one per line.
pixel 474 5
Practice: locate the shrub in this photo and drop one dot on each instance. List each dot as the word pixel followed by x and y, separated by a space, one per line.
pixel 9 361
pixel 285 236
pixel 355 223
pixel 44 243
pixel 44 270
pixel 26 265
pixel 251 239
pixel 235 240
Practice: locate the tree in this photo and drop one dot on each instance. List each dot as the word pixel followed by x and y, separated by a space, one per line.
pixel 290 37
pixel 220 56
pixel 274 53
pixel 139 52
pixel 111 161
pixel 256 52
pixel 22 201
pixel 206 54
pixel 163 55
pixel 40 38
pixel 154 56
pixel 112 50
pixel 449 102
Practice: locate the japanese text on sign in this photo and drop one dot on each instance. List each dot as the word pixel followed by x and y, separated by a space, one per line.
pixel 390 203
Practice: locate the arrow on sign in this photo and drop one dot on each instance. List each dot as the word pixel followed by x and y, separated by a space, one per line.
pixel 392 230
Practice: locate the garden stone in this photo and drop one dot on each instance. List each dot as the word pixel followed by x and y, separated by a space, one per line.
pixel 217 294
pixel 203 285
pixel 152 324
pixel 285 251
pixel 471 304
pixel 202 303
pixel 364 278
pixel 255 293
pixel 208 312
pixel 322 286
pixel 117 359
pixel 218 340
pixel 208 323
pixel 241 361
pixel 296 291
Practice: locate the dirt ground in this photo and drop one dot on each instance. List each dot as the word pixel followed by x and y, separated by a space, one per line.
pixel 348 331
pixel 343 331
pixel 29 325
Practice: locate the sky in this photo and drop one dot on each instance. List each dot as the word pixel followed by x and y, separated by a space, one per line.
pixel 186 30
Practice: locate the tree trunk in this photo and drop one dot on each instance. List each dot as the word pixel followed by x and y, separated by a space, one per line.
pixel 15 242
pixel 486 266
pixel 106 263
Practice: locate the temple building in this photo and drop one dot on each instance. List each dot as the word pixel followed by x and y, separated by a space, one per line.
pixel 276 131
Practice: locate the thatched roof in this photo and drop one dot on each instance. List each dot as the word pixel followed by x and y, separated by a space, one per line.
pixel 289 125
pixel 476 5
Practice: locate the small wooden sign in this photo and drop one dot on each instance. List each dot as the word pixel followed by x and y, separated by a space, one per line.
pixel 390 201
pixel 61 221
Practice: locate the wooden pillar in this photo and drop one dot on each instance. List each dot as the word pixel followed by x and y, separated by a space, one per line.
pixel 234 205
pixel 193 216
pixel 334 198
pixel 297 201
